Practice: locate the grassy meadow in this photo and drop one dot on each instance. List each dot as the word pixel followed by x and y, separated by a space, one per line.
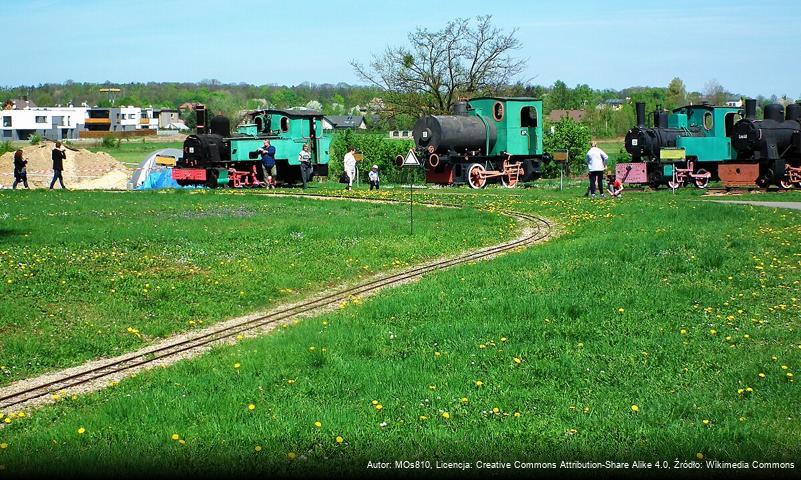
pixel 656 327
pixel 90 274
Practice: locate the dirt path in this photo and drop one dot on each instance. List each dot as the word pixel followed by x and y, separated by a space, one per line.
pixel 790 205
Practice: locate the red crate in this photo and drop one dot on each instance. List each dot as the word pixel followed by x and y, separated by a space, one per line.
pixel 196 174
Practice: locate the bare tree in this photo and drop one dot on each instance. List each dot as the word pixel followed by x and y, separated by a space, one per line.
pixel 467 57
pixel 715 93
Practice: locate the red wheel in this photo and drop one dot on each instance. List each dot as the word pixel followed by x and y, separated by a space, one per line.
pixel 510 181
pixel 701 182
pixel 674 184
pixel 785 183
pixel 475 176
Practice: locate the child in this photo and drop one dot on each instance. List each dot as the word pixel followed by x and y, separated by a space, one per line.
pixel 373 177
pixel 614 186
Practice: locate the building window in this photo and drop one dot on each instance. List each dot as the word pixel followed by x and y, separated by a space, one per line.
pixel 41 119
pixel 7 133
pixel 130 116
pixel 6 121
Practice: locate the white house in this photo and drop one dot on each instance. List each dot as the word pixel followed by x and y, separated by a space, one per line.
pixel 55 123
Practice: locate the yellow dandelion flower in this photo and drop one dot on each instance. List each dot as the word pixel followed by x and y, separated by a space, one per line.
pixel 175 436
pixel 251 407
pixel 706 422
pixel 761 375
pixel 683 331
pixel 789 375
pixel 81 431
pixel 340 440
pixel 635 408
pixel 621 310
pixel 240 337
pixel 518 360
pixel 290 381
pixel 495 409
pixel 479 383
pixel 446 415
pixel 258 448
pixel 423 418
pixel 503 339
pixel 3 445
pixel 374 402
pixel 182 442
pixel 464 400
pixel 712 331
pixel 437 354
pixel 318 424
pixel 291 455
pixel 379 407
pixel 517 414
pixel 236 365
pixel 699 456
pixel 482 346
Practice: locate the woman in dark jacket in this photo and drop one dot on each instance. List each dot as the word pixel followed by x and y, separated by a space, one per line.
pixel 20 175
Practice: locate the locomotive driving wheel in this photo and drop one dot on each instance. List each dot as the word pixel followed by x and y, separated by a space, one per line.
pixel 701 182
pixel 510 179
pixel 674 184
pixel 475 176
pixel 786 183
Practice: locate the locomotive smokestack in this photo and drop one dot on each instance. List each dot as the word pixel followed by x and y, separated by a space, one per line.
pixel 202 118
pixel 640 107
pixel 793 112
pixel 750 109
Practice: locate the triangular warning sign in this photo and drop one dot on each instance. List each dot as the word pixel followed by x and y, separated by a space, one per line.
pixel 411 160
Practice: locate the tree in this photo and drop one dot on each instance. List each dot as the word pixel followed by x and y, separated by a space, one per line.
pixel 465 58
pixel 715 93
pixel 676 94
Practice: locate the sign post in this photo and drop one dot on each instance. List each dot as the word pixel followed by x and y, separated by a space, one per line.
pixel 561 156
pixel 411 161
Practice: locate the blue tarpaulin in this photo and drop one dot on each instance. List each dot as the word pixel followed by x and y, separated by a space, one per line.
pixel 159 178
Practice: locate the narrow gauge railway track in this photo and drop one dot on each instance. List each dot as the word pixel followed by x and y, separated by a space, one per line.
pixel 97 374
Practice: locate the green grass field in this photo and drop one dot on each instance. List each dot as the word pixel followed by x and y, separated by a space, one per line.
pixel 132 152
pixel 90 274
pixel 656 327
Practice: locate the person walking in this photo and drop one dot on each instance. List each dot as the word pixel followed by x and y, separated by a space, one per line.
pixel 373 177
pixel 20 174
pixel 58 165
pixel 349 164
pixel 267 153
pixel 304 157
pixel 596 164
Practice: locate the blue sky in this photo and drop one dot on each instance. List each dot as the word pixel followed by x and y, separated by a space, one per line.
pixel 750 47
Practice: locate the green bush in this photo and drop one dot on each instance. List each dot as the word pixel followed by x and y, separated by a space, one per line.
pixel 568 135
pixel 110 142
pixel 377 149
pixel 35 139
pixel 6 147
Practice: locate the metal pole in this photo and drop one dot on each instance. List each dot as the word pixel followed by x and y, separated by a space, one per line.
pixel 411 210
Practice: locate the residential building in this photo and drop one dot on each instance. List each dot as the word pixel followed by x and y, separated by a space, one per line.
pixel 55 123
pixel 340 122
pixel 575 115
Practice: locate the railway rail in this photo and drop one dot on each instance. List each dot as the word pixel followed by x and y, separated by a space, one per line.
pixel 98 374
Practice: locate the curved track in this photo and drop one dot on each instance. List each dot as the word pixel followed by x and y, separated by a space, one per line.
pixel 95 375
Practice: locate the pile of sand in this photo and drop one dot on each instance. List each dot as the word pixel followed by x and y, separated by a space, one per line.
pixel 83 170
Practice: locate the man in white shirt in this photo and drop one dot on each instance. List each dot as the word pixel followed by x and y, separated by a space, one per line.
pixel 349 164
pixel 596 164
